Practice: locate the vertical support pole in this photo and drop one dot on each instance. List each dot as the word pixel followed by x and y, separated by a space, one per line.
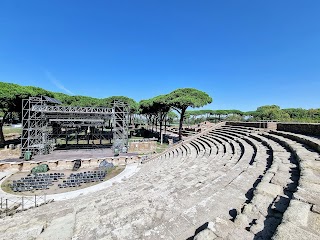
pixel 88 138
pixel 77 135
pixel 101 135
pixel 35 200
pixel 66 136
pixel 22 203
pixel 1 202
pixel 165 125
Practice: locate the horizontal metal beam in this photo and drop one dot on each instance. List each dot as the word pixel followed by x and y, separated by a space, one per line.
pixel 75 120
pixel 70 109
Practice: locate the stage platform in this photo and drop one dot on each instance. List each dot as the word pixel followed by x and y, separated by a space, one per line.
pixel 72 155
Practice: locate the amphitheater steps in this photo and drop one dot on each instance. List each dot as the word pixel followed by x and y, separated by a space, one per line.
pixel 213 149
pixel 208 145
pixel 218 144
pixel 311 142
pixel 173 195
pixel 244 136
pixel 231 139
pixel 219 185
pixel 302 212
pixel 203 150
pixel 219 140
pixel 272 195
pixel 261 215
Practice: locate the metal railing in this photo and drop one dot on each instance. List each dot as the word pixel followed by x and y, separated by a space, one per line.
pixel 12 205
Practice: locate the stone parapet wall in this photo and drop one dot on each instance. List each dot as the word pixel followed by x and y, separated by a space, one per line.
pixel 303 128
pixel 267 125
pixel 59 165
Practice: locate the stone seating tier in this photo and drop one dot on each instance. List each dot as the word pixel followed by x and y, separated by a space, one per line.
pixel 245 183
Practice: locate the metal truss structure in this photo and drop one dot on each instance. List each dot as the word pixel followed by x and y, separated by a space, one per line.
pixel 120 125
pixel 44 120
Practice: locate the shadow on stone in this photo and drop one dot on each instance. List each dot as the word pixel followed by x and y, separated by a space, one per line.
pixel 233 214
pixel 249 193
pixel 199 229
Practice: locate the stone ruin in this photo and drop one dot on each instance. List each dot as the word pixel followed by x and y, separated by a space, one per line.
pixel 228 182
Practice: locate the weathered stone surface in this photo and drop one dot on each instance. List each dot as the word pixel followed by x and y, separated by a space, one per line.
pixel 221 227
pixel 60 228
pixel 309 196
pixel 206 234
pixel 316 209
pixel 171 197
pixel 297 213
pixel 314 222
pixel 269 189
pixel 290 231
pixel 310 186
pixel 242 221
pixel 239 233
pixel 262 202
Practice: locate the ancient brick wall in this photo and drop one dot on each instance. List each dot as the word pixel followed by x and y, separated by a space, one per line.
pixel 142 147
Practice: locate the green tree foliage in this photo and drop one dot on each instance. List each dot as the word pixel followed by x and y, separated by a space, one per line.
pixel 134 106
pixel 296 113
pixel 271 112
pixel 156 110
pixel 183 98
pixel 11 96
pixel 171 116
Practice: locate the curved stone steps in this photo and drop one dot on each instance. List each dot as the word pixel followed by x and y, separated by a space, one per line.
pixel 230 179
pixel 237 146
pixel 240 128
pixel 219 140
pixel 201 146
pixel 312 142
pixel 209 145
pixel 214 148
pixel 196 147
pixel 263 213
pixel 170 197
pixel 245 136
pixel 217 166
pixel 257 215
pixel 229 154
pixel 307 197
pixel 218 143
pixel 243 144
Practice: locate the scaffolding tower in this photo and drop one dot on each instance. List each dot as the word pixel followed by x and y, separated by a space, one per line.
pixel 120 126
pixel 44 117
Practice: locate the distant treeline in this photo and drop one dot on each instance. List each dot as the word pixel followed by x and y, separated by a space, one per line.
pixel 268 112
pixel 157 110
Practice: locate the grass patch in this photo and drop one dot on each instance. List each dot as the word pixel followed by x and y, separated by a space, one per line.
pixel 11 130
pixel 135 138
pixel 5 186
pixel 160 148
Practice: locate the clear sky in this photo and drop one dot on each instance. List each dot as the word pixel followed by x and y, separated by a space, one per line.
pixel 242 53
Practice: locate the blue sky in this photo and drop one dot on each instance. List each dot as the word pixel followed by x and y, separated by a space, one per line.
pixel 242 53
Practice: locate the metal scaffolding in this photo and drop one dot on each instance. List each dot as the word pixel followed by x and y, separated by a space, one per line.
pixel 44 120
pixel 120 126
